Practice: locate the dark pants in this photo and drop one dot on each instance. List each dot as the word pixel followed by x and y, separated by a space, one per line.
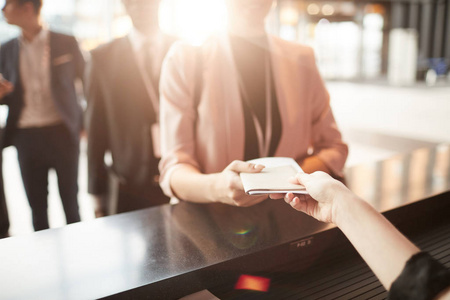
pixel 42 149
pixel 130 198
pixel 4 219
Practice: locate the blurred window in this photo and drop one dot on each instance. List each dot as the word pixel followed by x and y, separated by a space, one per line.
pixel 347 39
pixel 94 22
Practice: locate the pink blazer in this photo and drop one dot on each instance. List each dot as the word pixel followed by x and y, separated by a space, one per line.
pixel 211 136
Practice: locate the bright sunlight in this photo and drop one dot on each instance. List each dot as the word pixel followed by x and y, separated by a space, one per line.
pixel 193 20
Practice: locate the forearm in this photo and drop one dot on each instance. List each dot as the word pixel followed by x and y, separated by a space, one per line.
pixel 100 202
pixel 380 244
pixel 5 88
pixel 190 184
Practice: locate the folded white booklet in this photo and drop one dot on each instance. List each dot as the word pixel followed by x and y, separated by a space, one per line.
pixel 274 178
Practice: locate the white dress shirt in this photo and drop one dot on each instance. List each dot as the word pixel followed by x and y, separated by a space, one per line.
pixel 39 109
pixel 153 47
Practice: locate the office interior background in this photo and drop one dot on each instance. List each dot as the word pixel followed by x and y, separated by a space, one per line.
pixel 386 65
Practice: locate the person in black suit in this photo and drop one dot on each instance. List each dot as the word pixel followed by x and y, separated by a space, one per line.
pixel 4 217
pixel 45 118
pixel 122 114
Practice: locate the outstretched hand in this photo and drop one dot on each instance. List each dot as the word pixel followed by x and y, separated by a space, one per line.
pixel 6 87
pixel 229 184
pixel 324 193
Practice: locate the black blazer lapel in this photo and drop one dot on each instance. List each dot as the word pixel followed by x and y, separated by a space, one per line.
pixel 55 51
pixel 15 99
pixel 14 76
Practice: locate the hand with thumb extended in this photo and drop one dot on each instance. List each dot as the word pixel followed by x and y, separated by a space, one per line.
pixel 323 196
pixel 6 87
pixel 229 185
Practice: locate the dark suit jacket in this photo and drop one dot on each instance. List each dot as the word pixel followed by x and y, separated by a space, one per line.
pixel 119 117
pixel 66 64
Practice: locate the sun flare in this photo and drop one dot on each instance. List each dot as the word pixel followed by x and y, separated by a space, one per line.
pixel 192 20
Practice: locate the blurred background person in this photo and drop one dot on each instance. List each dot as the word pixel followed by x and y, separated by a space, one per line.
pixel 5 88
pixel 45 117
pixel 4 217
pixel 258 96
pixel 122 114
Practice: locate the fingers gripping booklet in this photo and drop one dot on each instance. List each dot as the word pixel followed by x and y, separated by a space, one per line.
pixel 274 178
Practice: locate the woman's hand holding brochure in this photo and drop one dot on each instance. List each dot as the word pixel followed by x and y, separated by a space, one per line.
pixel 274 178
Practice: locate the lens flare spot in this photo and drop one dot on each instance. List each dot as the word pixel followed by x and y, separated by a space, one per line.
pixel 255 283
pixel 243 231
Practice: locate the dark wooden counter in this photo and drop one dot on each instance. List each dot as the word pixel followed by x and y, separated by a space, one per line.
pixel 171 251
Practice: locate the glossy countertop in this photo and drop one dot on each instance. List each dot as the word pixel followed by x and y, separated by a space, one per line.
pixel 158 251
pixel 403 178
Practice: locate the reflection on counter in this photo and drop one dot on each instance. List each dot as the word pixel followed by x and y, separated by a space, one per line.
pixel 171 251
pixel 228 231
pixel 403 178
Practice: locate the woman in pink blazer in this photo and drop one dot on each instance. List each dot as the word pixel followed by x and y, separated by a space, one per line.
pixel 259 96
